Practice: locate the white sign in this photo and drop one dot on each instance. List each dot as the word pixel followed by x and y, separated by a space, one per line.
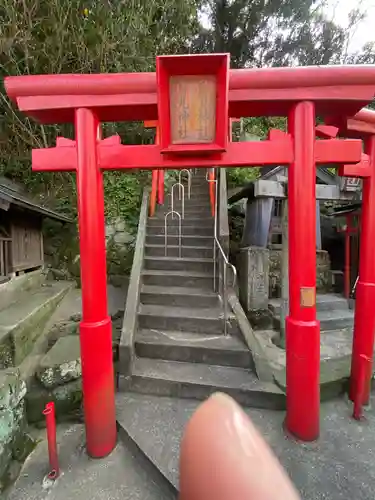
pixel 350 184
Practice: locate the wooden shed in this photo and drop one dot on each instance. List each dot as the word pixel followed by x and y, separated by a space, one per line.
pixel 21 238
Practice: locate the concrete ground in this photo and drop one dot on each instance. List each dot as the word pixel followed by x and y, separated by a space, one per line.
pixel 341 465
pixel 117 477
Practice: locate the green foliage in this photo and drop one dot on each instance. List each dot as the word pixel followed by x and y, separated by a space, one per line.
pixel 76 36
pixel 123 194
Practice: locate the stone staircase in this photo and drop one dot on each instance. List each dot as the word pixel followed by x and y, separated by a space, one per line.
pixel 180 346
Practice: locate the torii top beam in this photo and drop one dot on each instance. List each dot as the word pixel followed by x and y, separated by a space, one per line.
pixel 336 90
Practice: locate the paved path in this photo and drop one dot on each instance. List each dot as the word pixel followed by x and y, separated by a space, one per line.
pixel 117 477
pixel 340 466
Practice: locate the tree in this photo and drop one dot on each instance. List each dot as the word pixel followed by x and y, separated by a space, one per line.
pixel 75 36
pixel 275 33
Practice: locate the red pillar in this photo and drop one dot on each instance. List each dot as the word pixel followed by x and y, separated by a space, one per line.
pixel 95 327
pixel 347 258
pixel 160 174
pixel 302 328
pixel 154 189
pixel 161 186
pixel 364 318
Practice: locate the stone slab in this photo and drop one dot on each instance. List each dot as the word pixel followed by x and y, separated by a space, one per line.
pixel 22 322
pixel 11 290
pixel 198 381
pixel 61 364
pixel 335 359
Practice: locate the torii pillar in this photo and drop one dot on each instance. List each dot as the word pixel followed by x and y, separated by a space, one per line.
pixel 363 126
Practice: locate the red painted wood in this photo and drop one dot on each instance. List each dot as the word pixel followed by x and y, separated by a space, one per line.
pixel 132 96
pixel 216 65
pixel 255 153
pixel 95 327
pixel 360 169
pixel 302 328
pixel 326 131
pixel 364 318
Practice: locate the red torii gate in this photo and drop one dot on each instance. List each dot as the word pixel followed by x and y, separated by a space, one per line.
pixel 362 126
pixel 299 93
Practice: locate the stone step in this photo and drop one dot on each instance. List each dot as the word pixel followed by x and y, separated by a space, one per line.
pixel 10 290
pixel 178 296
pixel 23 321
pixel 331 320
pixel 195 320
pixel 187 240
pixel 173 251
pixel 335 320
pixel 199 381
pixel 206 218
pixel 324 302
pixel 190 347
pixel 193 221
pixel 185 230
pixel 177 278
pixel 188 211
pixel 177 264
pixel 197 202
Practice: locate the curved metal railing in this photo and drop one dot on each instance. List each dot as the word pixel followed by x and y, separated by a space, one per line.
pixel 172 213
pixel 181 189
pixel 226 264
pixel 188 179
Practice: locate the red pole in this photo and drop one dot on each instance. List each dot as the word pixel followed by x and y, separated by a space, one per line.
pixel 365 371
pixel 364 317
pixel 211 186
pixel 95 327
pixel 347 257
pixel 160 187
pixel 49 412
pixel 154 189
pixel 302 328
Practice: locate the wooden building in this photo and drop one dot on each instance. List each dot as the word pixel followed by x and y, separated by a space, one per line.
pixel 21 238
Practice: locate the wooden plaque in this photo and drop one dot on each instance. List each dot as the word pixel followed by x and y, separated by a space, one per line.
pixel 307 297
pixel 193 108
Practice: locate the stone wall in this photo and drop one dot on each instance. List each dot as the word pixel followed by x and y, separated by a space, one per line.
pixel 323 275
pixel 119 243
pixel 61 248
pixel 15 443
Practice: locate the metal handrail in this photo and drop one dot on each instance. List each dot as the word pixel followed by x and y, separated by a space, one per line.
pixel 180 188
pixel 189 179
pixel 172 212
pixel 227 264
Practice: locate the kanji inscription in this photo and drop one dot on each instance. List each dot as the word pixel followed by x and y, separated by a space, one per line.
pixel 193 108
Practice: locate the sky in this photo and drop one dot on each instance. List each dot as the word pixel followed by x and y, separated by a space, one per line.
pixel 338 11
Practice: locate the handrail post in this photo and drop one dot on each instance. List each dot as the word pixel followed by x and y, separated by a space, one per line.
pixel 189 180
pixel 172 212
pixel 223 282
pixel 180 186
